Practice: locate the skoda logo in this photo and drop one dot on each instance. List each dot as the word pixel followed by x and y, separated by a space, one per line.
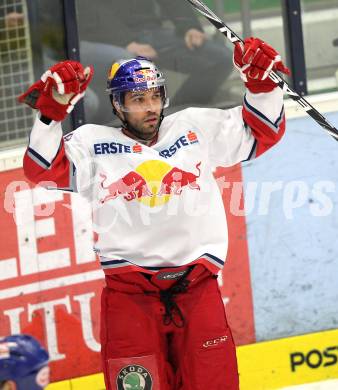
pixel 134 377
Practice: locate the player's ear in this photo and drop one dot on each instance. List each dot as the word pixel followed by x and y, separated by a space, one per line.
pixel 116 108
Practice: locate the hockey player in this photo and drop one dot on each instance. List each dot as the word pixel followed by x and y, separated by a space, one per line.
pixel 23 363
pixel 162 231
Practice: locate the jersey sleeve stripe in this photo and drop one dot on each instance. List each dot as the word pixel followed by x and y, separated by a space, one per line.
pixel 253 150
pixel 72 180
pixel 273 125
pixel 60 171
pixel 38 159
pixel 280 118
pixel 72 177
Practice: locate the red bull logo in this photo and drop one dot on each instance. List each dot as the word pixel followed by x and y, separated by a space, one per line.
pixel 144 75
pixel 152 183
pixel 174 181
pixel 130 186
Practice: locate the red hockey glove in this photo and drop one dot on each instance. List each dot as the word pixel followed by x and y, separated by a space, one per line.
pixel 255 59
pixel 59 89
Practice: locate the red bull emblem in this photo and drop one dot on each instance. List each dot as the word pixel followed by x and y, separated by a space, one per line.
pixel 140 185
pixel 130 186
pixel 174 181
pixel 144 75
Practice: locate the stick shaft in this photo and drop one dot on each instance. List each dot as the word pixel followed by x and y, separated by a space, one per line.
pixel 233 37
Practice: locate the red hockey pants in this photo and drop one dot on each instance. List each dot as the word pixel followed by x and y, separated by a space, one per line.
pixel 166 331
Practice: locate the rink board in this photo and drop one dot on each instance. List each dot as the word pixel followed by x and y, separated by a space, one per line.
pixel 264 366
pixel 290 361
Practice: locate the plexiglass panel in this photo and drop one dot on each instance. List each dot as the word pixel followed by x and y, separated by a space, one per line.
pixel 320 30
pixel 31 40
pixel 193 55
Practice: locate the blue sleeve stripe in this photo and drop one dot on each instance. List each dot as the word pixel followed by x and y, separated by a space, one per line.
pixel 36 157
pixel 252 153
pixel 280 118
pixel 273 125
pixel 72 177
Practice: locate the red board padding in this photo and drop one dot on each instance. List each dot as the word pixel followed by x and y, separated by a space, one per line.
pixel 236 284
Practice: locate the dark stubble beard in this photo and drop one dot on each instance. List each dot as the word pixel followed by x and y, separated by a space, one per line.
pixel 141 132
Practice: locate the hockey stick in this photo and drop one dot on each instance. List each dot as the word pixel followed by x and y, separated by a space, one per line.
pixel 225 30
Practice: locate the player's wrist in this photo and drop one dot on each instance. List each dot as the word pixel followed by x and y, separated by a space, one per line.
pixel 44 119
pixel 260 86
pixel 51 109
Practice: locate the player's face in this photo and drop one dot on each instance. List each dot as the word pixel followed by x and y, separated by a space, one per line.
pixel 42 377
pixel 143 111
pixel 9 385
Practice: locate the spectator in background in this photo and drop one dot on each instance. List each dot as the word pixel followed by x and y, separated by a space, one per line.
pixel 166 31
pixel 23 363
pixel 14 20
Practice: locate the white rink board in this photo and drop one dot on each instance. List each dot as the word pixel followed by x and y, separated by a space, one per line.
pixel 293 248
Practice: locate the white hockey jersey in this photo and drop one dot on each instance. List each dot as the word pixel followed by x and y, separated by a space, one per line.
pixel 157 206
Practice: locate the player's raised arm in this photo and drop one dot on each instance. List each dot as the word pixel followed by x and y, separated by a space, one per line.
pixel 263 111
pixel 245 132
pixel 54 96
